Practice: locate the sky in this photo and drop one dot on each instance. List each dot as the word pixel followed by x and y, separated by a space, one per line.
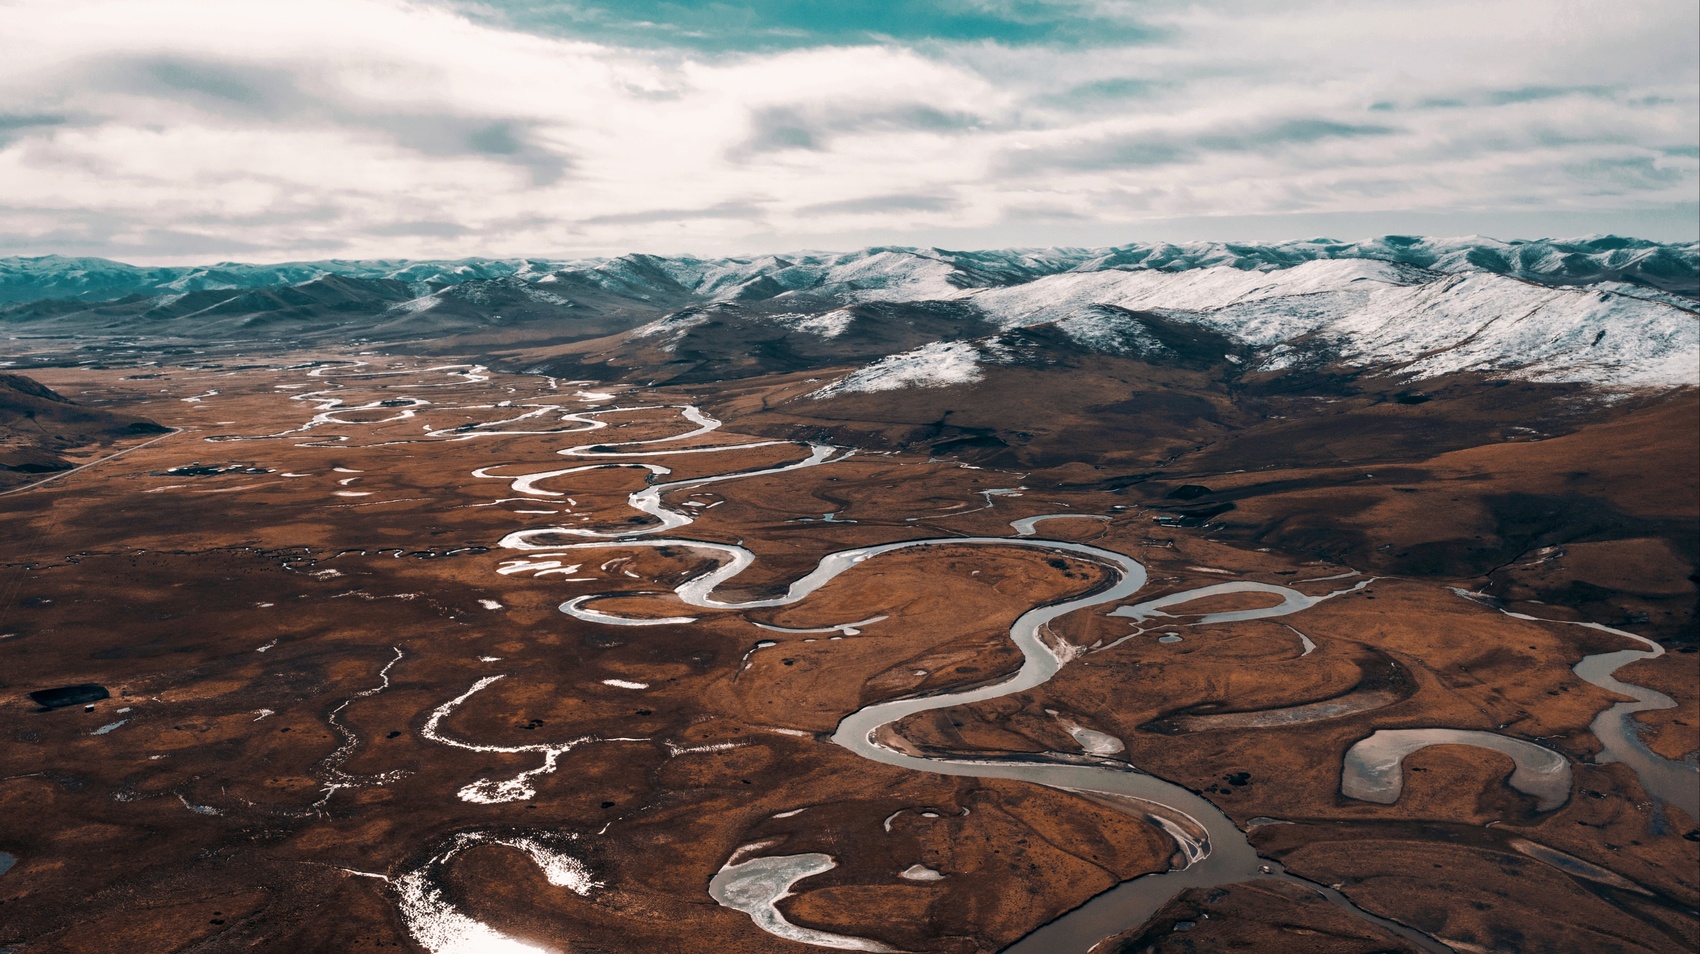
pixel 186 131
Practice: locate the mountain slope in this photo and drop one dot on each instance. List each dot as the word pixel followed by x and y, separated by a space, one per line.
pixel 903 272
pixel 38 426
pixel 1606 311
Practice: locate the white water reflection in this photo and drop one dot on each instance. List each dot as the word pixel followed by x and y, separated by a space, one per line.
pixel 1292 601
pixel 847 629
pixel 519 788
pixel 1572 865
pixel 439 927
pixel 1373 770
pixel 648 500
pixel 335 779
pixel 1028 526
pixel 1673 782
pixel 1210 849
pixel 756 887
pixel 920 873
pixel 1090 740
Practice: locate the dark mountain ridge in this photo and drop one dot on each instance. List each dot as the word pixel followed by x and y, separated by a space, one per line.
pixel 38 425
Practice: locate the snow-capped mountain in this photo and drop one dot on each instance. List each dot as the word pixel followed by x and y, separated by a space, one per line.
pixel 1359 313
pixel 99 279
pixel 1422 323
pixel 890 271
pixel 1605 310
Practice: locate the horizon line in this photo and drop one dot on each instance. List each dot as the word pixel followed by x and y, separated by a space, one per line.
pixel 553 259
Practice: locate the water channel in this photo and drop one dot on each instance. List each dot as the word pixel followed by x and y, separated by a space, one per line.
pixel 1211 849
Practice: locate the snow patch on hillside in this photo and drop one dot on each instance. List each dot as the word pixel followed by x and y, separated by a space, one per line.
pixel 673 326
pixel 1058 297
pixel 937 365
pixel 417 305
pixel 830 325
pixel 1483 322
pixel 548 297
pixel 1110 332
pixel 891 275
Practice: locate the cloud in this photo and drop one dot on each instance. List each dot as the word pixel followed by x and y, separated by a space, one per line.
pixel 1625 175
pixel 422 227
pixel 742 211
pixel 1503 97
pixel 1096 94
pixel 1162 148
pixel 882 203
pixel 1288 133
pixel 1124 151
pixel 424 129
pixel 788 24
pixel 12 127
pixel 1530 94
pixel 239 92
pixel 812 127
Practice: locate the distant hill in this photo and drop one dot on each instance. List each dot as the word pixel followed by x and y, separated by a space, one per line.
pixel 37 425
pixel 1667 267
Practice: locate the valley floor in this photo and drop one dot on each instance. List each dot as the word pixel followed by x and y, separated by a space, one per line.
pixel 433 657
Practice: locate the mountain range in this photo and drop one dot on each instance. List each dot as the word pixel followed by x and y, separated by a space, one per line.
pixel 1604 310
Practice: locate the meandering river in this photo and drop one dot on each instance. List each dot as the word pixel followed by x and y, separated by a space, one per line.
pixel 1210 849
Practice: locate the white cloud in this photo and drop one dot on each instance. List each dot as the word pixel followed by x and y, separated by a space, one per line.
pixel 174 129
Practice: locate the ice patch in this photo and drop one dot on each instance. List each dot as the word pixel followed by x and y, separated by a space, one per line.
pixel 496 791
pixel 675 749
pixel 440 928
pixel 1091 741
pixel 756 887
pixel 920 873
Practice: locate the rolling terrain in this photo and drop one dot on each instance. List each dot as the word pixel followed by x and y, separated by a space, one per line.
pixel 41 431
pixel 1316 596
